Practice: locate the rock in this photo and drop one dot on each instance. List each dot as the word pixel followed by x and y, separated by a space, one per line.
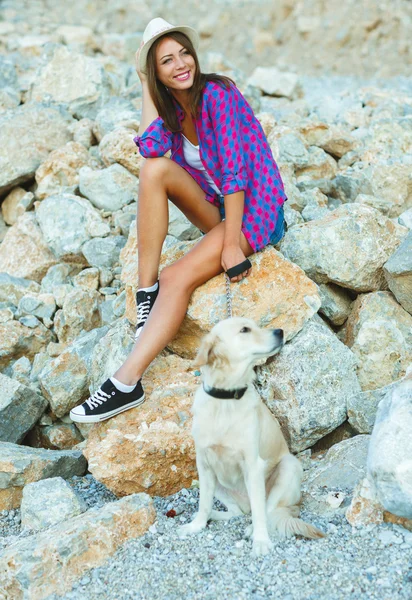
pixel 378 331
pixel 307 385
pixel 109 189
pixel 13 289
pixel 20 409
pixel 56 436
pixel 17 339
pixel 69 549
pixel 110 352
pixel 24 252
pixel 118 147
pixel 336 303
pixel 67 222
pixel 343 465
pixel 59 173
pixel 348 247
pixel 292 150
pixel 27 135
pixel 20 371
pixel 364 508
pixel 16 204
pixel 42 306
pixel 120 45
pixel 75 35
pixel 83 132
pixel 103 252
pixel 380 204
pixel 47 502
pixel 87 279
pixel 274 82
pixel 398 273
pixel 320 165
pixel 180 226
pixel 20 465
pixel 3 228
pixel 149 448
pixel 362 407
pixel 75 79
pixel 332 139
pixel 389 463
pixel 117 112
pixel 391 183
pixel 64 381
pixel 405 218
pixel 80 313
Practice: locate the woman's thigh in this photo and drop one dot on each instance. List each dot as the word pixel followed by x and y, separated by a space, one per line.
pixel 203 261
pixel 181 189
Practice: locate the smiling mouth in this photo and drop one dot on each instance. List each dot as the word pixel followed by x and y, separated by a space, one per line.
pixel 182 76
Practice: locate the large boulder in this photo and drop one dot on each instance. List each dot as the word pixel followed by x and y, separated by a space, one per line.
pixel 80 313
pixel 390 451
pixel 20 409
pixel 27 135
pixel 398 273
pixel 69 549
pixel 348 247
pixel 308 384
pixel 20 465
pixel 25 338
pixel 149 448
pixel 118 146
pixel 379 332
pixel 67 222
pixel 75 79
pixel 59 173
pixel 12 289
pixel 24 251
pixel 109 189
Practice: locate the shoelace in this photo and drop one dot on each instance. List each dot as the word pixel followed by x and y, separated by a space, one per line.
pixel 143 310
pixel 97 398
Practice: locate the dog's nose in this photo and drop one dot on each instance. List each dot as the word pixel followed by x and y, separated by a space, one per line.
pixel 278 333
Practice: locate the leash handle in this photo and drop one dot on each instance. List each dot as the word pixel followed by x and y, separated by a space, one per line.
pixel 238 269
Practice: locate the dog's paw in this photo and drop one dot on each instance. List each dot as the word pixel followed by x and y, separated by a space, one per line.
pixel 248 531
pixel 189 529
pixel 262 547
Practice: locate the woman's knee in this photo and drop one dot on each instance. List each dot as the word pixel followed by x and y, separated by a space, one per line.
pixel 172 277
pixel 154 169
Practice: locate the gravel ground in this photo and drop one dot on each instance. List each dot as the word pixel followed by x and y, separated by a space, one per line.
pixel 217 564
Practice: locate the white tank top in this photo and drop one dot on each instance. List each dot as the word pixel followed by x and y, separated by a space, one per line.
pixel 192 157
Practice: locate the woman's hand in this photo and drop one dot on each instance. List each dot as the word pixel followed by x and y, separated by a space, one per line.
pixel 141 75
pixel 232 256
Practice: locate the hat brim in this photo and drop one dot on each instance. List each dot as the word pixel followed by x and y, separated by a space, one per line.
pixel 188 31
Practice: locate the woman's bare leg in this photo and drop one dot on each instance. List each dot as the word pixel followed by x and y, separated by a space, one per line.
pixel 160 179
pixel 177 283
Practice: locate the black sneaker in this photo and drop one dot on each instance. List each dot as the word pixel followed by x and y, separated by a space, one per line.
pixel 107 402
pixel 144 301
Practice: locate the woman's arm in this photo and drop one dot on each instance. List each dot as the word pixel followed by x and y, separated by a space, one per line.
pixel 149 112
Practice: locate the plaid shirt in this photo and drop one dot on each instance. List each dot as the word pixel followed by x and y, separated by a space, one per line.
pixel 234 151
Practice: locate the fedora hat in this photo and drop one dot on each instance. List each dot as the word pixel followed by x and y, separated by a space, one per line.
pixel 155 29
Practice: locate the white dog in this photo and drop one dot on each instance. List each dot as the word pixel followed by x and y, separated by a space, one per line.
pixel 241 455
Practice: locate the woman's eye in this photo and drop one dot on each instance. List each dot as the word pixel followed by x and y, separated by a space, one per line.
pixel 245 330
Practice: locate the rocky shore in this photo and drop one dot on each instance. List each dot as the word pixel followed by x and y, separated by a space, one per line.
pixel 93 506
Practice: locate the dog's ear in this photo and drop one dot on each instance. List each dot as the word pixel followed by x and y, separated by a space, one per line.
pixel 211 352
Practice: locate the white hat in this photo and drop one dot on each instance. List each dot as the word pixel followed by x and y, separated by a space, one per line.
pixel 158 27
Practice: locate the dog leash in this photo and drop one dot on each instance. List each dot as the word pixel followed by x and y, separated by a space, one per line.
pixel 232 272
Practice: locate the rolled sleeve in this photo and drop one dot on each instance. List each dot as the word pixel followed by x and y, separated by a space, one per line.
pixel 155 141
pixel 225 116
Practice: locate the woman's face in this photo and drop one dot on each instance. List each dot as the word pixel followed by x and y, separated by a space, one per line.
pixel 175 67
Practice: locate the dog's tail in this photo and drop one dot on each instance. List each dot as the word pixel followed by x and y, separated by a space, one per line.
pixel 285 522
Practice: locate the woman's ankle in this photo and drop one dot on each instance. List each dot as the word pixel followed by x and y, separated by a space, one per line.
pixel 125 377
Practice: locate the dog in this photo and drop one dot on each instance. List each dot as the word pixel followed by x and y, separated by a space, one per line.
pixel 242 456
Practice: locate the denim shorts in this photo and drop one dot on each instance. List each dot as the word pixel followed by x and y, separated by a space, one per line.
pixel 279 230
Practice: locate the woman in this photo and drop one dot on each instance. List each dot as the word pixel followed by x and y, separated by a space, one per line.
pixel 221 175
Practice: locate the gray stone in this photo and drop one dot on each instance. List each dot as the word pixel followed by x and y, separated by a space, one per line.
pixel 42 306
pixel 308 384
pixel 20 465
pixel 16 204
pixel 336 303
pixel 275 82
pixel 13 289
pixel 67 222
pixel 180 226
pixel 20 371
pixel 405 218
pixel 115 113
pixel 348 247
pixel 110 353
pixel 74 79
pixel 293 150
pixel 68 550
pixel 27 135
pixel 16 340
pixel 64 381
pixel 108 189
pixel 398 273
pixel 80 313
pixel 20 409
pixel 103 252
pixel 362 407
pixel 48 502
pixel 390 451
pixel 55 276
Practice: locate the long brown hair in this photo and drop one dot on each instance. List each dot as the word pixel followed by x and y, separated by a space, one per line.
pixel 162 98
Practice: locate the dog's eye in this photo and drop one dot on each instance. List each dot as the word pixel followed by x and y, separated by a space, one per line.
pixel 245 330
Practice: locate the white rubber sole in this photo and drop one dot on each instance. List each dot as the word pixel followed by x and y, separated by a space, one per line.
pixel 98 418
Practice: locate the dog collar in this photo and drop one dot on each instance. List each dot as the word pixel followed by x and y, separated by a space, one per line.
pixel 225 394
